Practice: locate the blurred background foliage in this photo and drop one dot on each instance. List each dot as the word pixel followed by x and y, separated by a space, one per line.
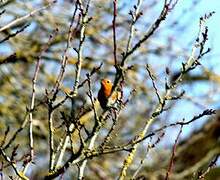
pixel 164 51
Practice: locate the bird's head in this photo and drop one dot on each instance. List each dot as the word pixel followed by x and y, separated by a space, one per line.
pixel 106 85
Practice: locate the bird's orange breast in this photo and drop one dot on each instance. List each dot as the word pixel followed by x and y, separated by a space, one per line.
pixel 104 92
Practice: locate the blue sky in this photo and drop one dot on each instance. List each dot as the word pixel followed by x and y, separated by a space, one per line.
pixel 211 61
pixel 213 24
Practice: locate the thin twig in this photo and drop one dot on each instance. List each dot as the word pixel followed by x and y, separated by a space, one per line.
pixel 211 165
pixel 153 82
pixel 21 19
pixel 135 16
pixel 14 34
pixel 149 33
pixel 2 12
pixel 149 147
pixel 19 174
pixel 79 156
pixel 5 136
pixel 92 142
pixel 181 123
pixel 64 57
pixel 83 165
pixel 51 138
pixel 90 94
pixel 84 21
pixel 169 170
pixel 114 31
pixel 33 95
pixel 205 160
pixel 26 120
pixel 78 68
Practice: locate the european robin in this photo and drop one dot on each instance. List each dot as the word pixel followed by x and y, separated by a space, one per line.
pixel 105 92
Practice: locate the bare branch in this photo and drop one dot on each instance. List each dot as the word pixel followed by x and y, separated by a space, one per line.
pixel 114 31
pixel 14 34
pixel 169 170
pixel 153 82
pixel 23 18
pixel 19 174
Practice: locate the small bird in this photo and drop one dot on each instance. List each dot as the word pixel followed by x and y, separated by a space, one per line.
pixel 105 92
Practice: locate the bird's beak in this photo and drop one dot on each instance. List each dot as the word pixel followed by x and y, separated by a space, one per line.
pixel 101 82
